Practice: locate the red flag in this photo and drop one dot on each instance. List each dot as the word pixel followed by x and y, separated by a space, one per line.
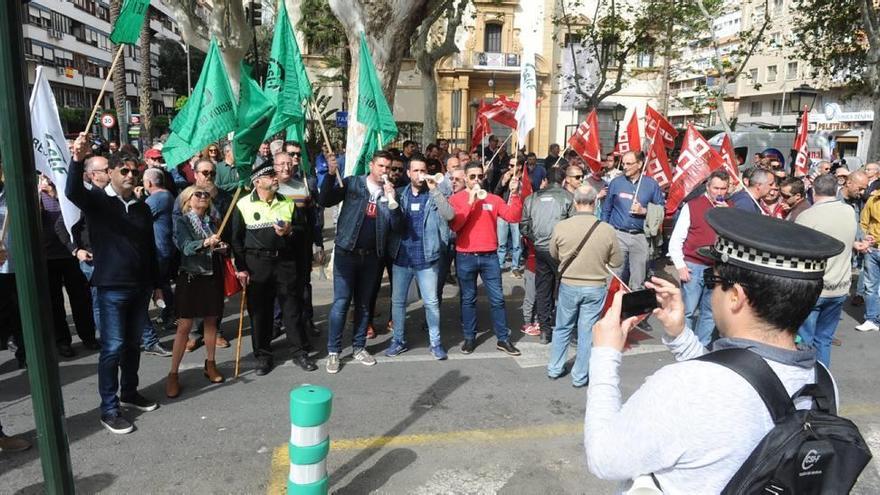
pixel 629 139
pixel 657 163
pixel 502 111
pixel 526 183
pixel 481 127
pixel 696 161
pixel 802 160
pixel 654 122
pixel 728 157
pixel 616 285
pixel 585 141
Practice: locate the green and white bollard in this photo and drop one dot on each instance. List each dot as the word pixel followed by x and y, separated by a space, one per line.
pixel 310 407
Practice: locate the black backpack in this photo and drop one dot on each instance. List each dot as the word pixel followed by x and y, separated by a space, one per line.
pixel 810 451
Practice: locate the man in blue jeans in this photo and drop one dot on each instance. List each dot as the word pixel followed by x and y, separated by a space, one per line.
pixel 476 244
pixel 367 216
pixel 121 233
pixel 416 251
pixel 582 282
pixel 161 204
pixel 508 232
pixel 691 233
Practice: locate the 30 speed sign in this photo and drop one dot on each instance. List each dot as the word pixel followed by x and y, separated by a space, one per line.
pixel 108 120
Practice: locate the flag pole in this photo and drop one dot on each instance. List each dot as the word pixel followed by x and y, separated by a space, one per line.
pixel 229 210
pixel 561 155
pixel 317 115
pixel 499 150
pixel 482 150
pixel 104 88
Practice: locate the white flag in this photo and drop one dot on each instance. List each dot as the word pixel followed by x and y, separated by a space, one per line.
pixel 51 155
pixel 528 96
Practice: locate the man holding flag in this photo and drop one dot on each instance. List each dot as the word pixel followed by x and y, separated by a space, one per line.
pixel 625 208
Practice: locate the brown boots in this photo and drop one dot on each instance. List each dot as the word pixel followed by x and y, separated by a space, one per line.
pixel 211 372
pixel 172 383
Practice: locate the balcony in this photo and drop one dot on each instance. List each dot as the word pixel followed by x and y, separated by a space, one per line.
pixel 495 61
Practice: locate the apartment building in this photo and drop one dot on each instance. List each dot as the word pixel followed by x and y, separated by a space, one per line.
pixel 71 38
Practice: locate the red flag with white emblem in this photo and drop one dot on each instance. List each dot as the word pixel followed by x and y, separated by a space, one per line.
pixel 481 127
pixel 629 139
pixel 655 122
pixel 802 160
pixel 729 159
pixel 502 111
pixel 585 141
pixel 657 163
pixel 696 161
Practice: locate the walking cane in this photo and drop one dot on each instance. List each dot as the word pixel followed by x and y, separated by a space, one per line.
pixel 240 324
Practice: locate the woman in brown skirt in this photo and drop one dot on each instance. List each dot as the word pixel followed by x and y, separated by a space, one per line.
pixel 199 291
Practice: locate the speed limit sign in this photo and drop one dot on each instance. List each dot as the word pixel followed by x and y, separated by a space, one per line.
pixel 108 120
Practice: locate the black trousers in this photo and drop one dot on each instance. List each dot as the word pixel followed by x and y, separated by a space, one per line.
pixel 272 277
pixel 10 318
pixel 303 252
pixel 545 288
pixel 65 274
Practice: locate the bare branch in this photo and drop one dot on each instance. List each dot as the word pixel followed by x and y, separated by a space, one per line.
pixel 758 38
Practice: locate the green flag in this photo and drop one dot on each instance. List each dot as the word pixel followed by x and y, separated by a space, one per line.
pixel 297 132
pixel 127 28
pixel 209 114
pixel 287 85
pixel 255 112
pixel 372 110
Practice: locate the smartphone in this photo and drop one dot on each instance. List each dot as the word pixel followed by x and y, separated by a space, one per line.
pixel 638 303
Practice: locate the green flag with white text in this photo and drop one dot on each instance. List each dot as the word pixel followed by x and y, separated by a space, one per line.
pixel 127 28
pixel 209 114
pixel 287 84
pixel 255 112
pixel 297 132
pixel 372 110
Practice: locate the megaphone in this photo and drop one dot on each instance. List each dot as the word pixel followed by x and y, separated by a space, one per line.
pixel 481 193
pixel 392 203
pixel 436 178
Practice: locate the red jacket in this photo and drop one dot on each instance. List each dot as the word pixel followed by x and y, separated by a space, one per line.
pixel 476 224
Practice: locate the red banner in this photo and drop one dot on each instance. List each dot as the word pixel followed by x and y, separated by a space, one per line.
pixel 657 163
pixel 654 122
pixel 728 157
pixel 696 161
pixel 802 160
pixel 482 128
pixel 629 139
pixel 502 111
pixel 585 141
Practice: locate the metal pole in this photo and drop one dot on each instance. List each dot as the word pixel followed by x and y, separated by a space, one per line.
pixel 30 260
pixel 189 86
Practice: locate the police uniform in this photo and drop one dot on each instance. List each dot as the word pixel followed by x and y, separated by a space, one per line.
pixel 270 260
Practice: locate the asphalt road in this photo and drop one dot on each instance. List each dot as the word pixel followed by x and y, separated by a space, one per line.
pixel 484 423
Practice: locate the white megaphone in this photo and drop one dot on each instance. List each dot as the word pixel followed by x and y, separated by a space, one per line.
pixel 392 203
pixel 481 193
pixel 436 178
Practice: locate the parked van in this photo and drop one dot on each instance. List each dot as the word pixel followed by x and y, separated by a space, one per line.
pixel 748 142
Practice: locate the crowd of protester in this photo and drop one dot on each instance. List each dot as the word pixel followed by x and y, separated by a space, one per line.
pixel 174 237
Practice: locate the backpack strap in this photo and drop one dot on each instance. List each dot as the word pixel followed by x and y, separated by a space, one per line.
pixel 760 376
pixel 822 391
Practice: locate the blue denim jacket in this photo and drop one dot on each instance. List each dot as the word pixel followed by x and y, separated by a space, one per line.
pixel 355 194
pixel 437 213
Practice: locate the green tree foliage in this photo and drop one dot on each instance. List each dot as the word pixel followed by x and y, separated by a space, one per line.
pixel 324 35
pixel 172 66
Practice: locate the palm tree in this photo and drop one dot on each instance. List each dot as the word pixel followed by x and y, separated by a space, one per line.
pixel 119 80
pixel 145 85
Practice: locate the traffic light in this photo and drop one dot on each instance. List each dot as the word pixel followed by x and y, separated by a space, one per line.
pixel 255 12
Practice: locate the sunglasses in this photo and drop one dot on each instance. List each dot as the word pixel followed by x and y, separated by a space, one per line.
pixel 207 173
pixel 476 176
pixel 296 154
pixel 126 171
pixel 201 195
pixel 396 169
pixel 710 280
pixel 102 170
pixel 576 177
pixel 213 151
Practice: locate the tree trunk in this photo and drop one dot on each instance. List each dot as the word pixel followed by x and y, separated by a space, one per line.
pixel 429 88
pixel 145 88
pixel 389 26
pixel 119 81
pixel 874 143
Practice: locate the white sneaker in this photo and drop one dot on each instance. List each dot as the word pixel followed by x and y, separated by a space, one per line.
pixel 364 357
pixel 333 363
pixel 868 326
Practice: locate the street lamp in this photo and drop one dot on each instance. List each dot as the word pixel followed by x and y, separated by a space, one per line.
pixel 169 97
pixel 617 113
pixel 802 97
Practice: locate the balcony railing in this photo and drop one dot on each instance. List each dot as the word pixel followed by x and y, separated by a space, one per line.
pixel 492 60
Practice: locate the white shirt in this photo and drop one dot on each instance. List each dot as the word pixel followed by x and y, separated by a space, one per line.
pixel 112 193
pixel 679 234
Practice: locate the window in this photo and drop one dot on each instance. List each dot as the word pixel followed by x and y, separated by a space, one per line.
pixel 792 71
pixel 492 39
pixel 86 5
pixel 776 39
pixel 645 59
pixel 755 109
pixel 39 17
pixel 753 75
pixel 777 107
pixel 778 5
pixel 103 13
pixel 771 73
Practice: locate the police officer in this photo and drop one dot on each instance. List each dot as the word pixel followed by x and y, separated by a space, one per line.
pixel 265 262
